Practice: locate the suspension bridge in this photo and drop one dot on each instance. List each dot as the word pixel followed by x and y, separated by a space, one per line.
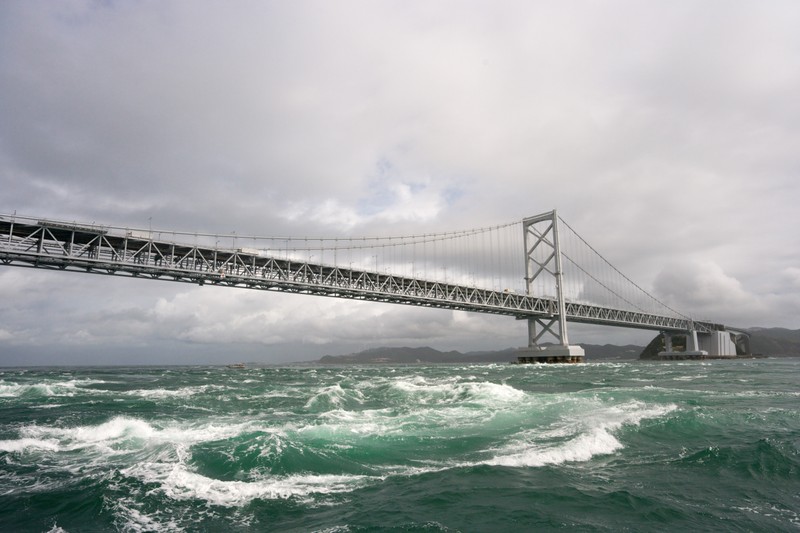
pixel 539 270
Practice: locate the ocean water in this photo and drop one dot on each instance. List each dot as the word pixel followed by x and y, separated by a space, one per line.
pixel 621 446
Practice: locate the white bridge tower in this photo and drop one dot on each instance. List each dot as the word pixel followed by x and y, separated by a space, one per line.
pixel 543 269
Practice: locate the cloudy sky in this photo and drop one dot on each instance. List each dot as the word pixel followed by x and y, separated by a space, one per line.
pixel 667 133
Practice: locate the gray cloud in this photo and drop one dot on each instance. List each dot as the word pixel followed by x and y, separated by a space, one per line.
pixel 666 135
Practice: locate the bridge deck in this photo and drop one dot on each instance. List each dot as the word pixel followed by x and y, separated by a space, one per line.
pixel 99 250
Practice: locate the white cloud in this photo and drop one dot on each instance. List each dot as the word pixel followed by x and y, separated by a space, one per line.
pixel 703 290
pixel 390 202
pixel 329 213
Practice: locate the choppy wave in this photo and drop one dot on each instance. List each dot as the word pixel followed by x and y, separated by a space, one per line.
pixel 429 413
pixel 177 482
pixel 121 434
pixel 170 451
pixel 582 436
pixel 28 443
pixel 182 392
pixel 45 389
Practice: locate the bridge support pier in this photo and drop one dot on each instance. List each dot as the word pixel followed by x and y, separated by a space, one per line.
pixel 543 262
pixel 692 350
pixel 716 344
pixel 550 354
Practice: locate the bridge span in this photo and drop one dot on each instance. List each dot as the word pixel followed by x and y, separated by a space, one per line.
pixel 145 254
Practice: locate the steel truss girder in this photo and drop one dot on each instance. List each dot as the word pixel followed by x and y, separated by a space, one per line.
pixel 59 246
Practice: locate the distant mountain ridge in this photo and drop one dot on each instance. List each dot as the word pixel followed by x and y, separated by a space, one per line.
pixel 426 354
pixel 764 341
pixel 775 341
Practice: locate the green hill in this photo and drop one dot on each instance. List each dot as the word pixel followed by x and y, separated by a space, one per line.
pixel 775 341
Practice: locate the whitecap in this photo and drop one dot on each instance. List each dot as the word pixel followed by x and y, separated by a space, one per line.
pixel 587 435
pixel 452 390
pixel 343 423
pixel 179 483
pixel 49 388
pixel 136 521
pixel 28 444
pixel 597 441
pixel 123 434
pixel 333 397
pixel 184 392
pixel 10 390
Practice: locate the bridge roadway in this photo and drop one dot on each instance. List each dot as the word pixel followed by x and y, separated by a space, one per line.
pixel 95 249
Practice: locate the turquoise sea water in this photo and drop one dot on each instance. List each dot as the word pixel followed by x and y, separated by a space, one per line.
pixel 634 446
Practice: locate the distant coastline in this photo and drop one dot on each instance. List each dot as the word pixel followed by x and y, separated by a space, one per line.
pixel 407 355
pixel 765 342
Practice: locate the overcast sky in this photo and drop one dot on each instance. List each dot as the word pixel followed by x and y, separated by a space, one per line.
pixel 667 133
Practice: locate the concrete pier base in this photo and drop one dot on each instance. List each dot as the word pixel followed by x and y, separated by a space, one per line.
pixel 551 354
pixel 680 356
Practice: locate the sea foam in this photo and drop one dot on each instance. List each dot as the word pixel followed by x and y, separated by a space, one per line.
pixel 46 389
pixel 576 437
pixel 28 444
pixel 122 434
pixel 178 482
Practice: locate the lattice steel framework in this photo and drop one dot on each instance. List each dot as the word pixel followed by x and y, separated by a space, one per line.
pixel 543 260
pixel 55 245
